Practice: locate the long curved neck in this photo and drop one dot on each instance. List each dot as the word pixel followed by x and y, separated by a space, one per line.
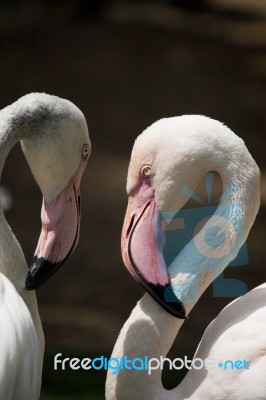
pixel 12 261
pixel 150 331
pixel 14 122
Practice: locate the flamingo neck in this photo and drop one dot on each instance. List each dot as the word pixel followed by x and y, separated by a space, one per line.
pixel 12 261
pixel 148 332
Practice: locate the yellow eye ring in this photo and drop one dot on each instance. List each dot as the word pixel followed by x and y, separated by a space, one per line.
pixel 146 171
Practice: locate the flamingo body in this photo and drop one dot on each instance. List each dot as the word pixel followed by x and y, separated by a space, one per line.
pixel 20 349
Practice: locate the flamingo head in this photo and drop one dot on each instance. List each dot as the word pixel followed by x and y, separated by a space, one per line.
pixel 165 157
pixel 57 146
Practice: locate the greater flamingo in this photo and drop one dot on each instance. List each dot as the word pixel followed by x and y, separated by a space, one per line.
pixel 170 154
pixel 55 141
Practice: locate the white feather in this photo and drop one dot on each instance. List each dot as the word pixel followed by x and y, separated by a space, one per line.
pixel 19 347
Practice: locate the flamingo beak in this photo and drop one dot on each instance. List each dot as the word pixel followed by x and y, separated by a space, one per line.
pixel 142 248
pixel 60 232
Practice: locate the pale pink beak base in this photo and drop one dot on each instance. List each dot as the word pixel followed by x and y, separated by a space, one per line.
pixel 59 234
pixel 146 244
pixel 142 244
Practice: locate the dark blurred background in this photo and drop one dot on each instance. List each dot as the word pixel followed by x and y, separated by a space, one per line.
pixel 126 64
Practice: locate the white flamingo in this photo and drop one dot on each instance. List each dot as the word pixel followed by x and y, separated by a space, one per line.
pixel 54 138
pixel 170 154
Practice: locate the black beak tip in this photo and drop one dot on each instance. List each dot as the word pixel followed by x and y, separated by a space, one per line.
pixel 177 309
pixel 30 283
pixel 39 272
pixel 173 304
pixel 160 293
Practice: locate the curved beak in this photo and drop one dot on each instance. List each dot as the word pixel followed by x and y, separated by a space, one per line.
pixel 142 248
pixel 60 233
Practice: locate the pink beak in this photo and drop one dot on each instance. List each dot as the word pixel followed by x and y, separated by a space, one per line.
pixel 142 247
pixel 60 232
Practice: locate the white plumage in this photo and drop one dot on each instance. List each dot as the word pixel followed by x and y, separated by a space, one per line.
pixel 180 151
pixel 20 350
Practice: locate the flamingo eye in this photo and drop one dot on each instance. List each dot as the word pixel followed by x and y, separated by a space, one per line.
pixel 85 151
pixel 146 171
